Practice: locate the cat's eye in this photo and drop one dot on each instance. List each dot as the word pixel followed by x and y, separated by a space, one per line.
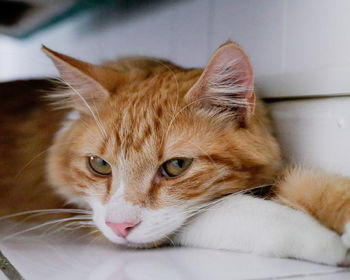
pixel 175 167
pixel 100 166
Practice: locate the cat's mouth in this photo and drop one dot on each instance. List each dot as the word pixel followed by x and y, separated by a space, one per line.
pixel 151 228
pixel 136 241
pixel 130 243
pixel 140 237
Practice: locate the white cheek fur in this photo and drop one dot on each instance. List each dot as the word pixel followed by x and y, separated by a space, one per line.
pixel 157 225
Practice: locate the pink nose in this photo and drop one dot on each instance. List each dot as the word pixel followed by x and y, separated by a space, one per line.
pixel 121 229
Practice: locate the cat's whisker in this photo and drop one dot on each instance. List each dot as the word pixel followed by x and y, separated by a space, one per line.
pixel 92 232
pixel 243 105
pixel 171 241
pixel 33 216
pixel 46 212
pixel 40 226
pixel 71 226
pixel 80 227
pixel 54 229
pixel 76 221
pixel 98 122
pixel 176 82
pixel 206 153
pixel 34 158
pixel 92 241
pixel 206 206
pixel 173 119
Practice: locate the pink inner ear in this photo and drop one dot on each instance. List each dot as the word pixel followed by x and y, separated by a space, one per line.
pixel 234 61
pixel 228 79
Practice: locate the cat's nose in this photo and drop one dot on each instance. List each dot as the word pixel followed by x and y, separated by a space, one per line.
pixel 121 229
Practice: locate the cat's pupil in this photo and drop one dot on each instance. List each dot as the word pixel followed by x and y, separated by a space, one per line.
pixel 101 162
pixel 179 162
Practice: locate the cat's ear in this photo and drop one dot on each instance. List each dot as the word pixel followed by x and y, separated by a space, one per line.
pixel 226 85
pixel 88 84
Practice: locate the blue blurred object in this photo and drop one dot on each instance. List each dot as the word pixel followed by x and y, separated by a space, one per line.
pixel 23 18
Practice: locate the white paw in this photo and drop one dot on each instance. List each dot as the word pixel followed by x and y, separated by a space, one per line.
pixel 346 236
pixel 346 261
pixel 326 248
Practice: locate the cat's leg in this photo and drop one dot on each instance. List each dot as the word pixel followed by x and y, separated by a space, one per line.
pixel 247 224
pixel 324 195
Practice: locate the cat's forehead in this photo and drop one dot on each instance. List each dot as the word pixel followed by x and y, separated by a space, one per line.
pixel 143 113
pixel 161 89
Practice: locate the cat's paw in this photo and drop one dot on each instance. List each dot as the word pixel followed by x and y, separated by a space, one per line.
pixel 334 252
pixel 346 235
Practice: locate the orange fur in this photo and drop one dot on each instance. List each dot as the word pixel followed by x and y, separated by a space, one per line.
pixel 325 196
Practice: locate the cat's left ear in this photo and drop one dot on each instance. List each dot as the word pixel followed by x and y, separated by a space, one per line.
pixel 226 86
pixel 89 84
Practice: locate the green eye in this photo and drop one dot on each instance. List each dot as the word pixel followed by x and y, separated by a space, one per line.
pixel 175 167
pixel 100 166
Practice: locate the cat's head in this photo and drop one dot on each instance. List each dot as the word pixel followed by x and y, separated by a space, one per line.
pixel 148 143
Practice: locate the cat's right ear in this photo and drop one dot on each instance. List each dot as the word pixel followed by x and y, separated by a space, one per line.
pixel 89 84
pixel 226 85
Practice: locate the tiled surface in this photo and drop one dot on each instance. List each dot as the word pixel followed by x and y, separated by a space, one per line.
pixel 43 257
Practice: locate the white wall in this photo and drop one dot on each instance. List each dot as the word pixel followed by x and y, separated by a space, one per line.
pixel 315 132
pixel 297 47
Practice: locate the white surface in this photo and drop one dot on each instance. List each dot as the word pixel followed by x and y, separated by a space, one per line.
pixel 74 258
pixel 297 47
pixel 315 132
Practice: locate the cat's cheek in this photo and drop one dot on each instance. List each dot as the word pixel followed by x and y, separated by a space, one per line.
pixel 158 226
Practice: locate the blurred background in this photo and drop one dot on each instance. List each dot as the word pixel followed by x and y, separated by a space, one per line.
pixel 296 46
pixel 299 50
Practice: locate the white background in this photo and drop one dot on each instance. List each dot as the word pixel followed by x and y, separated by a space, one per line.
pixel 297 47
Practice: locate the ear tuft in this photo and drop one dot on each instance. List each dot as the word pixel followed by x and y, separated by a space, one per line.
pixel 227 83
pixel 87 84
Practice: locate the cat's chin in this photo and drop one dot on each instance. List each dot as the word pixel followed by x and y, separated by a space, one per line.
pixel 136 244
pixel 133 245
pixel 149 245
pixel 140 245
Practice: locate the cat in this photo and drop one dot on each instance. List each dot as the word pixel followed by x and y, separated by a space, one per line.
pixel 160 152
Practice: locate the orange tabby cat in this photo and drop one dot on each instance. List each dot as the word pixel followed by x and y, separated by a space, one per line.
pixel 147 144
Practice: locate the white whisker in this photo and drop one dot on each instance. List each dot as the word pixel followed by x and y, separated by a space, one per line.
pixel 46 211
pixel 98 122
pixel 41 226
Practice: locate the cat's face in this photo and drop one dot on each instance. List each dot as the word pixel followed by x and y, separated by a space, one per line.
pixel 147 144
